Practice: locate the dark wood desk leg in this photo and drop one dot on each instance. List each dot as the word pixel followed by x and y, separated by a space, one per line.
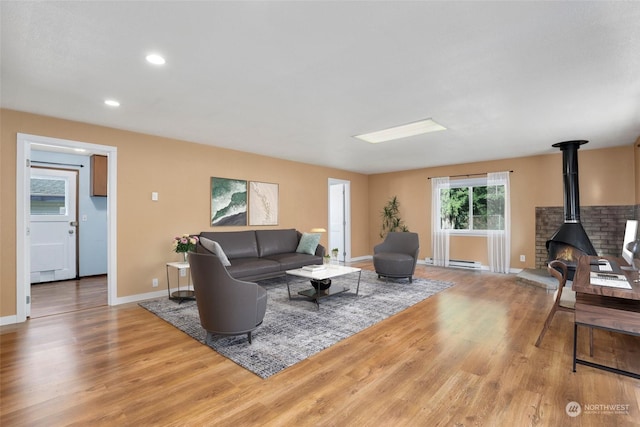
pixel 575 344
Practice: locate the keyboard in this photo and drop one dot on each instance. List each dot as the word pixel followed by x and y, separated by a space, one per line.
pixel 610 279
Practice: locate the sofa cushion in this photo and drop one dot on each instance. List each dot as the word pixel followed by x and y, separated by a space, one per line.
pixel 246 267
pixel 236 244
pixel 276 241
pixel 294 260
pixel 393 263
pixel 215 248
pixel 308 243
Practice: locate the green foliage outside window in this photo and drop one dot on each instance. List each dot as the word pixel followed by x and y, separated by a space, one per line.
pixel 472 208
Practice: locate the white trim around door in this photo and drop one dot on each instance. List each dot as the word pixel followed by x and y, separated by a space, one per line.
pixel 340 217
pixel 23 160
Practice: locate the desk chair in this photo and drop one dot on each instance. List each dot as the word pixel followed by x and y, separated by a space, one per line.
pixel 565 300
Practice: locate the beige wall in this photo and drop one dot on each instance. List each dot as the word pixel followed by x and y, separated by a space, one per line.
pixel 606 178
pixel 180 172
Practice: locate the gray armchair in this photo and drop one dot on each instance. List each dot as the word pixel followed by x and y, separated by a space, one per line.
pixel 396 257
pixel 227 306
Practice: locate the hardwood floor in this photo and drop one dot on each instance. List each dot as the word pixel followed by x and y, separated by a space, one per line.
pixel 464 357
pixel 70 295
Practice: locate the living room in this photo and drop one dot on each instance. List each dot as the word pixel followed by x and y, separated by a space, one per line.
pixel 535 182
pixel 183 194
pixel 179 171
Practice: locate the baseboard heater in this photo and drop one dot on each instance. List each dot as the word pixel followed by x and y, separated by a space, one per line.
pixel 459 263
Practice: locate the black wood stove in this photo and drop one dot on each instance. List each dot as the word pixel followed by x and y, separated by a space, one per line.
pixel 570 241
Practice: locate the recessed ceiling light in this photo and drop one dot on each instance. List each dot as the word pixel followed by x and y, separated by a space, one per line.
pixel 403 131
pixel 112 103
pixel 155 59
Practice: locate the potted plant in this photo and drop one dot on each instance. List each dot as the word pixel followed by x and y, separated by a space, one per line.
pixel 334 253
pixel 327 259
pixel 391 217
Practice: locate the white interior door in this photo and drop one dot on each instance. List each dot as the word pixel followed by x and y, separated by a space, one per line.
pixel 53 224
pixel 339 214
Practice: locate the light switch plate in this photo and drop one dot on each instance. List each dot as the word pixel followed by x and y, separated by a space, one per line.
pixel 154 196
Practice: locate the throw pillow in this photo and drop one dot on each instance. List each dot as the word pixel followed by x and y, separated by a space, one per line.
pixel 308 243
pixel 215 248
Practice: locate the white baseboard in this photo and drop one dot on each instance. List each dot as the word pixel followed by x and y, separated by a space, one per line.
pixel 361 258
pixel 142 297
pixel 8 320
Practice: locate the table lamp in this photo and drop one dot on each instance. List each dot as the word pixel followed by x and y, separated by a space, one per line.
pixel 634 248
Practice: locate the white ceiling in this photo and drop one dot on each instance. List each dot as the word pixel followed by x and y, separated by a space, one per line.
pixel 297 79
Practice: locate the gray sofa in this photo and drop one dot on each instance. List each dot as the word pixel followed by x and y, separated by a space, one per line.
pixel 260 254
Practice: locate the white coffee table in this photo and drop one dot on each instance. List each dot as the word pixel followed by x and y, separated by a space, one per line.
pixel 330 271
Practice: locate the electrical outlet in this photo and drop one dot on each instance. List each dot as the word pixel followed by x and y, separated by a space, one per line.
pixel 154 283
pixel 522 258
pixel 183 272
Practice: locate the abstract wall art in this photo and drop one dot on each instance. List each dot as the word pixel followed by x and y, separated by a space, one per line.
pixel 263 203
pixel 228 202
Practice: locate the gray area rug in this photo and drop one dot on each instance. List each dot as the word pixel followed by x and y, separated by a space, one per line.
pixel 295 329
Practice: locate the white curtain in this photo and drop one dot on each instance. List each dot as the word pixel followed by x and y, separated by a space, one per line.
pixel 499 241
pixel 439 238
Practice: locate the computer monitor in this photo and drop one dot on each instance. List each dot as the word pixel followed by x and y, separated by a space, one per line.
pixel 630 234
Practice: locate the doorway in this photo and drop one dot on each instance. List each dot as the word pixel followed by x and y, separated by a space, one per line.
pixel 25 144
pixel 340 218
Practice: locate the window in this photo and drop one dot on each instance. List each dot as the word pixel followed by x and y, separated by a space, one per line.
pixel 471 207
pixel 48 196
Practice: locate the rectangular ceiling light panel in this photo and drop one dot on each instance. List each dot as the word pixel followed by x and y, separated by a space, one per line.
pixel 403 131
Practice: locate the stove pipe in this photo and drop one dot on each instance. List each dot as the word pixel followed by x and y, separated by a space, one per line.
pixel 571 232
pixel 570 178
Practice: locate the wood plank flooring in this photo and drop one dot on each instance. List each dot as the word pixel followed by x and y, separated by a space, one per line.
pixel 70 295
pixel 464 357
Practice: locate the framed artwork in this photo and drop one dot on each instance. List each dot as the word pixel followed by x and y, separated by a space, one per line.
pixel 228 202
pixel 263 203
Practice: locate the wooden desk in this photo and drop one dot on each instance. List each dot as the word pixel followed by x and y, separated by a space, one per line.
pixel 604 307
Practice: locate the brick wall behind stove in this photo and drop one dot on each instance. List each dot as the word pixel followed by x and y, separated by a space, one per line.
pixel 603 224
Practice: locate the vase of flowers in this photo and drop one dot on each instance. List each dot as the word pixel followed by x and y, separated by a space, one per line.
pixel 183 244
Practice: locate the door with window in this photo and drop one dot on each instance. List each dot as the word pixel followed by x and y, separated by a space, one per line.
pixel 53 224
